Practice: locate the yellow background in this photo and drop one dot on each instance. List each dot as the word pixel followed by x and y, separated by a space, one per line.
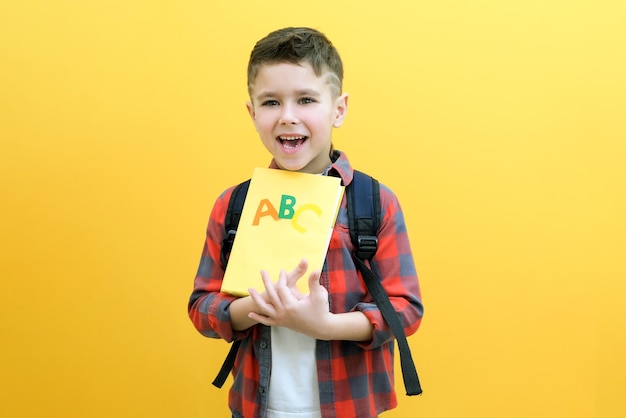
pixel 499 124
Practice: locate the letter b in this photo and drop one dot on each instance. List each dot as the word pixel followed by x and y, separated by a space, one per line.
pixel 286 210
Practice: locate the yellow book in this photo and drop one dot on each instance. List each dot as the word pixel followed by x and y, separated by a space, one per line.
pixel 287 216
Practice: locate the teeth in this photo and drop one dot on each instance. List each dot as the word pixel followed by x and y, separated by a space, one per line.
pixel 291 138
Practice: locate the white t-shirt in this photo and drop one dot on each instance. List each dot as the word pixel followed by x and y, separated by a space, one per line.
pixel 293 388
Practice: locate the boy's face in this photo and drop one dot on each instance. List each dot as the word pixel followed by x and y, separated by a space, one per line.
pixel 294 111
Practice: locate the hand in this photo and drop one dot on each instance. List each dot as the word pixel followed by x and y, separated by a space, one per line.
pixel 292 279
pixel 281 306
pixel 240 308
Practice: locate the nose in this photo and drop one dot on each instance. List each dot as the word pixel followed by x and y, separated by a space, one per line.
pixel 288 115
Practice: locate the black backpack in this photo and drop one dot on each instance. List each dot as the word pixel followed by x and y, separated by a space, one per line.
pixel 363 196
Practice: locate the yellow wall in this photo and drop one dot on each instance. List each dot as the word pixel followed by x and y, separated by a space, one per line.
pixel 500 125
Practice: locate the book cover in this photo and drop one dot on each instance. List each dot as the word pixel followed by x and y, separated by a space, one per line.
pixel 287 216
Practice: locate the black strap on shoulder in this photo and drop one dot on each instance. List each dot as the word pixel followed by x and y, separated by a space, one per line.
pixel 231 222
pixel 363 196
pixel 364 220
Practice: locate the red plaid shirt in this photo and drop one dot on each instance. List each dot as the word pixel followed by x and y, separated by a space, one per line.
pixel 356 379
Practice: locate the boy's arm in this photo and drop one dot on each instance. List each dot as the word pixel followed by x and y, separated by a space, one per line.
pixel 239 313
pixel 209 309
pixel 349 326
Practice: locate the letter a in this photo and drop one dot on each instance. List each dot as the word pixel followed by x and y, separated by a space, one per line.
pixel 270 211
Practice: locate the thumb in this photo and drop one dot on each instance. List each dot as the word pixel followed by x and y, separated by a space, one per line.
pixel 314 282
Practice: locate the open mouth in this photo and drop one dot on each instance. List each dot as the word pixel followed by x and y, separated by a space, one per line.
pixel 292 141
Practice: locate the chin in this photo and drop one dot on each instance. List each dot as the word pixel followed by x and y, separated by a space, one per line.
pixel 292 167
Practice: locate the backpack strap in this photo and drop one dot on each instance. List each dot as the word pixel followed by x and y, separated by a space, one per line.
pixel 231 222
pixel 364 221
pixel 363 196
pixel 227 366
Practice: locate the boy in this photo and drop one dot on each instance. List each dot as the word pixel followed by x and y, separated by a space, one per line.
pixel 328 353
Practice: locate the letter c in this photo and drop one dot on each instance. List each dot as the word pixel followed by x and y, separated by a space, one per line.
pixel 308 206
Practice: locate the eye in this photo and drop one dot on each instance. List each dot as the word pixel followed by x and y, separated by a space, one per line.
pixel 306 100
pixel 270 103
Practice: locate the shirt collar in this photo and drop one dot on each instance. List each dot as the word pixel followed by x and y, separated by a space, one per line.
pixel 340 167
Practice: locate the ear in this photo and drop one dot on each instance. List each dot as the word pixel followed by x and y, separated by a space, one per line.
pixel 341 109
pixel 252 113
pixel 250 108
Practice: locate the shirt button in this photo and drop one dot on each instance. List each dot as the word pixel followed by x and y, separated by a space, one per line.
pixel 261 389
pixel 263 344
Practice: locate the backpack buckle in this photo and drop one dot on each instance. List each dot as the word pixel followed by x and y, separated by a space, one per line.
pixel 230 236
pixel 367 246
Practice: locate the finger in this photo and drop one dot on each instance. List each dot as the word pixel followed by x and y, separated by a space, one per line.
pixel 261 319
pixel 269 287
pixel 314 282
pixel 297 272
pixel 284 293
pixel 256 296
pixel 263 307
pixel 317 292
pixel 282 279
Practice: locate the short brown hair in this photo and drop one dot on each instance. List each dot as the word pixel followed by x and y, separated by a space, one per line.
pixel 297 46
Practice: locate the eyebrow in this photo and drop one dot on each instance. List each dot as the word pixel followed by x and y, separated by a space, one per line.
pixel 304 92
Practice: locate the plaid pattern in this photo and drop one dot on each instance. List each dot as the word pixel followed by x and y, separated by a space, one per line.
pixel 356 379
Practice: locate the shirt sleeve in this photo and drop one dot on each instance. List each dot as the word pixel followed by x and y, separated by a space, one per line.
pixel 208 307
pixel 395 266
